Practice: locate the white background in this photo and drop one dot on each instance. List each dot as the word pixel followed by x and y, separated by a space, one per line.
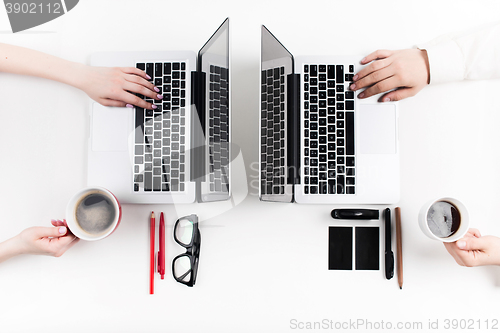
pixel 262 265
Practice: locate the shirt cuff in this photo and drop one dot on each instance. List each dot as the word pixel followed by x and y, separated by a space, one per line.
pixel 446 61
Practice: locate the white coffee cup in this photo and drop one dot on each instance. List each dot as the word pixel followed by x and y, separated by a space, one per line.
pixel 98 210
pixel 462 228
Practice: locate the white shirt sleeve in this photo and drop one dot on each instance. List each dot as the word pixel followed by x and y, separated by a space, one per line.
pixel 473 55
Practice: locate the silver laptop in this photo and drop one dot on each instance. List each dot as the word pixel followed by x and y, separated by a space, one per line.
pixel 318 142
pixel 180 151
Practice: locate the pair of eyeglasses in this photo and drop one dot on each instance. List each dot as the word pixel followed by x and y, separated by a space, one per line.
pixel 187 235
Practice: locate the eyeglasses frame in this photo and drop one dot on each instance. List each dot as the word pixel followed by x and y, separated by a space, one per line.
pixel 192 251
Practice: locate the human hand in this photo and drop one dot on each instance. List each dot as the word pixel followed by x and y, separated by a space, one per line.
pixel 52 241
pixel 475 250
pixel 407 71
pixel 115 86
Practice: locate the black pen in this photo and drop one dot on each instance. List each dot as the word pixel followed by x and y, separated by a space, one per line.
pixel 355 214
pixel 389 256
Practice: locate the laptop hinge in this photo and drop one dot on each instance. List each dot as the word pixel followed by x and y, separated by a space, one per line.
pixel 197 125
pixel 293 128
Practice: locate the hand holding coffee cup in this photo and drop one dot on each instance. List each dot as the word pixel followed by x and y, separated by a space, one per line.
pixel 444 219
pixel 93 213
pixel 475 250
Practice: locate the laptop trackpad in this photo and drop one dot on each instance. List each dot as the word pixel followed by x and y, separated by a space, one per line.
pixel 377 128
pixel 109 128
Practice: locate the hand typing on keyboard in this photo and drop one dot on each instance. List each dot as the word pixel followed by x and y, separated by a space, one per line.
pixel 107 86
pixel 407 71
pixel 468 55
pixel 115 86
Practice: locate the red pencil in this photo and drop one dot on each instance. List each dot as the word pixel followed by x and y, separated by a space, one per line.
pixel 152 259
pixel 161 252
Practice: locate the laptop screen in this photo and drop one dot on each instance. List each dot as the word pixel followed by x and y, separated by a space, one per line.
pixel 214 115
pixel 275 154
pixel 216 49
pixel 272 51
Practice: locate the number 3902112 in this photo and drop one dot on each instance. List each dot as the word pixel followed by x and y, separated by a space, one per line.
pixel 33 8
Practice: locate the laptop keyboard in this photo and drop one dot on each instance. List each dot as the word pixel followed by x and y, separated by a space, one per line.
pixel 218 130
pixel 160 134
pixel 273 145
pixel 328 156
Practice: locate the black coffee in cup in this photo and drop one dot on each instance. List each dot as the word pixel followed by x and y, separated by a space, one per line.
pixel 95 213
pixel 443 219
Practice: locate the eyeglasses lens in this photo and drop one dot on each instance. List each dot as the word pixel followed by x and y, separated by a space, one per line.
pixel 184 231
pixel 182 268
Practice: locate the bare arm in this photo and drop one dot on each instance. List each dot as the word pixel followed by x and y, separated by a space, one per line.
pixel 106 85
pixel 9 249
pixel 20 60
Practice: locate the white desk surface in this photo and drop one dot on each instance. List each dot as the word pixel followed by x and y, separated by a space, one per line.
pixel 263 266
